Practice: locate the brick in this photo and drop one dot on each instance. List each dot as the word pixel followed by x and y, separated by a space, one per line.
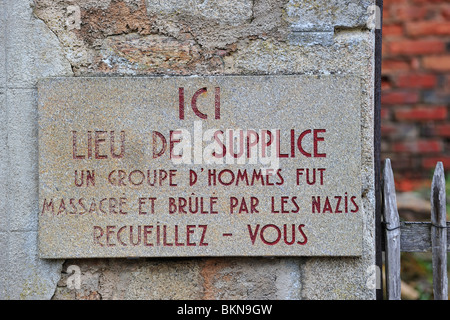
pixel 418 146
pixel 393 2
pixel 437 63
pixel 416 81
pixel 408 13
pixel 430 162
pixel 421 113
pixel 392 30
pixel 399 97
pixel 443 130
pixel 416 47
pixel 386 13
pixel 399 161
pixel 384 114
pixel 445 81
pixel 428 1
pixel 385 83
pixel 385 49
pixel 390 65
pixel 445 11
pixel 399 131
pixel 387 129
pixel 427 28
pixel 415 64
pixel 435 97
pixel 385 146
pixel 403 184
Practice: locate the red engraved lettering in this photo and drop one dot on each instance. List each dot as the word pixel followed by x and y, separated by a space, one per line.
pixel 62 207
pixel 182 205
pixel 221 175
pixel 118 236
pixel 136 177
pixel 240 142
pixel 264 143
pixel 212 177
pixel 141 202
pixel 158 234
pixel 272 200
pixel 219 141
pixel 98 139
pixel 278 145
pixel 212 202
pixel 172 174
pixel 338 203
pixel 242 176
pixel 155 136
pixel 253 204
pixel 72 204
pixel 299 143
pixel 147 232
pixel 284 201
pixel 122 145
pixel 138 236
pixel 253 234
pixel 172 205
pixel 181 102
pixel 305 239
pixel 110 230
pixel 217 103
pixel 251 144
pixel 202 238
pixel 194 103
pixel 286 235
pixel 165 243
pixel 172 142
pixel 292 143
pixel 316 140
pixel 327 206
pixel 178 244
pixel 112 205
pixel 75 155
pixel 100 207
pixel 316 204
pixel 47 206
pixel 233 203
pixel 297 208
pixel 82 204
pixel 98 233
pixel 356 209
pixel 257 176
pixel 321 170
pixel 190 229
pixel 263 238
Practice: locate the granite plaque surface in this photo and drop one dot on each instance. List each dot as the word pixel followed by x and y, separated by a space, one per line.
pixel 200 166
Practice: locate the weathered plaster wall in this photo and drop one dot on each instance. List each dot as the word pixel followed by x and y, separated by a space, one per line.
pixel 44 38
pixel 28 51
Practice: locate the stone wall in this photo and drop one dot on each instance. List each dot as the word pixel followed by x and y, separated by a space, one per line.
pixel 44 38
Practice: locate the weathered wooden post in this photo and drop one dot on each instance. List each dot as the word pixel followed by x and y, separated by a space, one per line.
pixel 439 234
pixel 392 234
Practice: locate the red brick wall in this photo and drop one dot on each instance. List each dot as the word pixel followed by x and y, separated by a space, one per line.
pixel 415 125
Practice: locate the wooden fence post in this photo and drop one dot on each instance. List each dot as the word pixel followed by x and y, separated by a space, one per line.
pixel 439 234
pixel 392 234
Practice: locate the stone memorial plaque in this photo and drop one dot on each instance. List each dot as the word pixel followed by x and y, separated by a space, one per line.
pixel 200 166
